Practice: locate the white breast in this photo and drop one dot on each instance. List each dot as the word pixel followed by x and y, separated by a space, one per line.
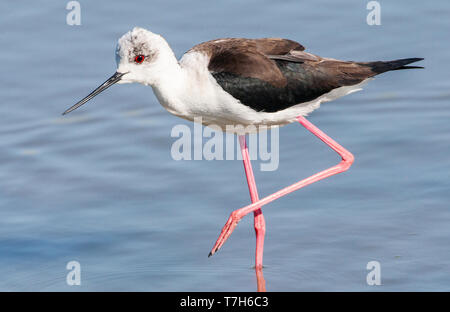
pixel 205 97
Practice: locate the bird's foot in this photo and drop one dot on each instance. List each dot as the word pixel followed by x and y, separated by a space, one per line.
pixel 227 229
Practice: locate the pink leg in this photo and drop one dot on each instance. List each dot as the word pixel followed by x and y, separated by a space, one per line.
pixel 260 224
pixel 237 215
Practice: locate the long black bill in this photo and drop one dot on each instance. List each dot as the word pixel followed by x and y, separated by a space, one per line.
pixel 108 83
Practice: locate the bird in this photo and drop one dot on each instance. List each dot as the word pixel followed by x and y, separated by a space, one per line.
pixel 228 82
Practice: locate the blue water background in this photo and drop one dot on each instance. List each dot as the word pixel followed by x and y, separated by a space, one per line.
pixel 100 186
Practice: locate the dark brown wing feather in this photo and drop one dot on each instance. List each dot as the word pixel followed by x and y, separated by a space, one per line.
pixel 276 46
pixel 248 57
pixel 272 74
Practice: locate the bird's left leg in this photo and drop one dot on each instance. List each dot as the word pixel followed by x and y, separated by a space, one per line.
pixel 237 215
pixel 259 222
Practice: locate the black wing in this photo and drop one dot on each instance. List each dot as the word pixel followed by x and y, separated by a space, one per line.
pixel 306 79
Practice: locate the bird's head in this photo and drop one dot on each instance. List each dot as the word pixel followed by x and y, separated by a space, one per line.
pixel 141 56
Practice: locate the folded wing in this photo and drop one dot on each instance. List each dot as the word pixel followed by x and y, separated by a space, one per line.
pixel 273 74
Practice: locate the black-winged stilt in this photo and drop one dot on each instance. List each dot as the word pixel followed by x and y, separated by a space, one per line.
pixel 236 81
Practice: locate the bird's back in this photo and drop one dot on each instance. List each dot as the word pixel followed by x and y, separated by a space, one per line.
pixel 273 74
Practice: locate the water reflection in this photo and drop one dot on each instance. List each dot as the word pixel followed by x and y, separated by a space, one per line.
pixel 260 281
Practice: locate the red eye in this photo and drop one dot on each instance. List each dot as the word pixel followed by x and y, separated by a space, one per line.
pixel 139 59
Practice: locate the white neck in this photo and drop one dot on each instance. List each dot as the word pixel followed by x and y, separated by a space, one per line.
pixel 169 83
pixel 187 89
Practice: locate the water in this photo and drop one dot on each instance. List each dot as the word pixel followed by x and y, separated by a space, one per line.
pixel 100 187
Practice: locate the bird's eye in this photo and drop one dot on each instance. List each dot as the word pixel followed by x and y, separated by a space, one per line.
pixel 139 59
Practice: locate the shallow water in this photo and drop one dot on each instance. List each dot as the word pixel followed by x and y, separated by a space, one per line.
pixel 100 187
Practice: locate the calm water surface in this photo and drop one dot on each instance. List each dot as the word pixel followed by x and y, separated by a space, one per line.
pixel 100 187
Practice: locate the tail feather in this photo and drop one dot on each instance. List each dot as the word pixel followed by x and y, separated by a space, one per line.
pixel 381 67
